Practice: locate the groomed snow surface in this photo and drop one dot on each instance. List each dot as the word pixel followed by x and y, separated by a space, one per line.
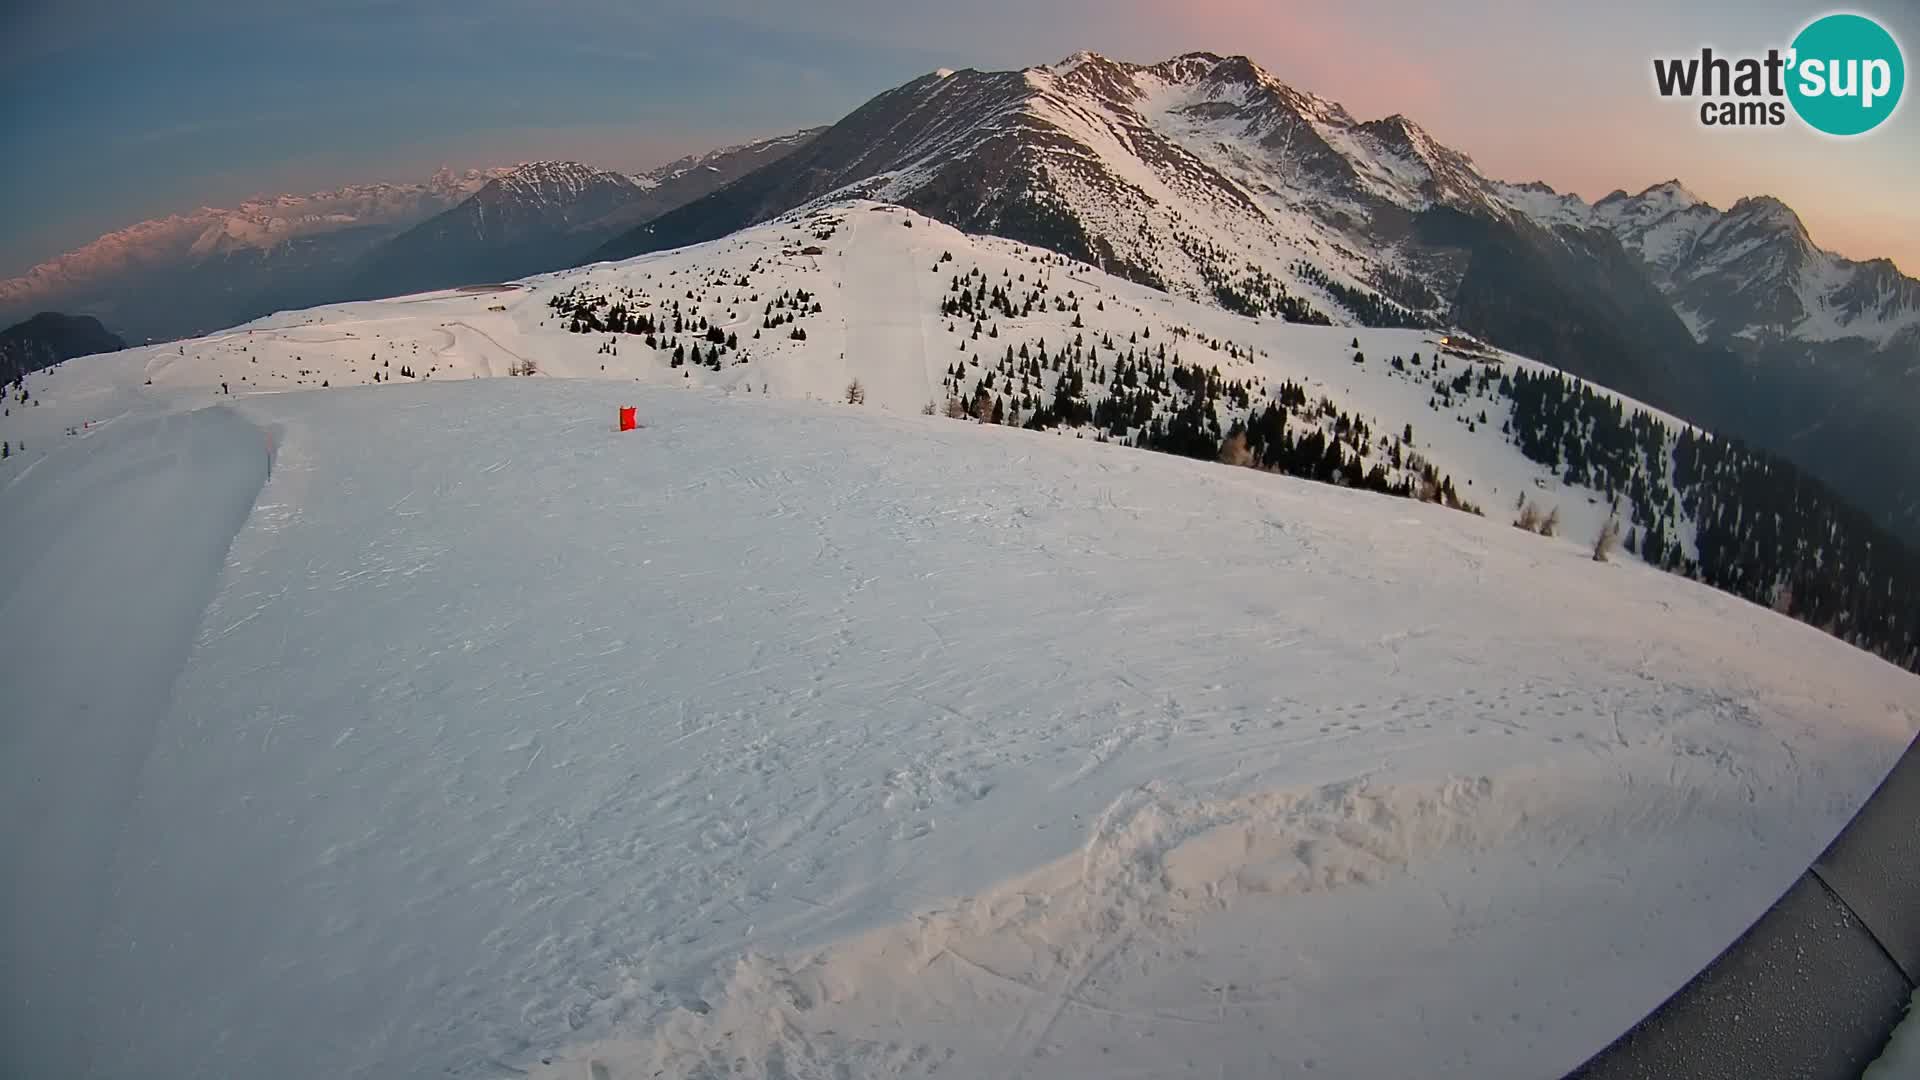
pixel 793 739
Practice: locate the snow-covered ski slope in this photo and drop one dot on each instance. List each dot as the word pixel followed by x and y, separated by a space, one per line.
pixel 800 736
pixel 795 738
pixel 879 279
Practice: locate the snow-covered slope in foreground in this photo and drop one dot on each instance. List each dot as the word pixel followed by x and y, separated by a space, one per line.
pixel 793 739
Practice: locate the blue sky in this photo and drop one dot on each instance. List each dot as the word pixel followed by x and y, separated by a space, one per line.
pixel 112 111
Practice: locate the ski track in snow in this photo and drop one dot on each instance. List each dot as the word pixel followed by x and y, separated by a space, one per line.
pixel 109 554
pixel 787 739
pixel 886 337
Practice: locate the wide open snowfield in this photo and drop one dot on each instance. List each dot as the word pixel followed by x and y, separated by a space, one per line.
pixel 792 739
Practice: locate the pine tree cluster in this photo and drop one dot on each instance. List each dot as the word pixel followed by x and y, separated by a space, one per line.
pixel 1763 530
pixel 1370 308
pixel 1144 394
pixel 678 328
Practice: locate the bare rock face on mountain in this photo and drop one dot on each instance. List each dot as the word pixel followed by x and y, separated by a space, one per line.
pixel 544 216
pixel 49 338
pixel 1208 177
pixel 1815 356
pixel 1203 174
pixel 1751 274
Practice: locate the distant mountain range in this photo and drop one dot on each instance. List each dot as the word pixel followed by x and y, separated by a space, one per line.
pixel 1206 176
pixel 1202 175
pixel 49 338
pixel 1752 274
pixel 545 216
pixel 189 274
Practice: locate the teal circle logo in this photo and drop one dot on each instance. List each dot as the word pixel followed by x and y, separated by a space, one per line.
pixel 1847 74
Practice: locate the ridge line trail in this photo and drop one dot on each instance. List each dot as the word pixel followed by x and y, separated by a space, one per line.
pixel 881 302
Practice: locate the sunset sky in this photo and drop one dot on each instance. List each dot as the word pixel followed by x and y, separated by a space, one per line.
pixel 114 111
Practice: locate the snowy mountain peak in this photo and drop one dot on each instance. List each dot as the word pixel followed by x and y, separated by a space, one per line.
pixel 1211 68
pixel 564 180
pixel 1749 277
pixel 1672 189
pixel 1662 225
pixel 1087 73
pixel 1752 278
pixel 445 181
pixel 1206 176
pixel 1656 202
pixel 1765 211
pixel 1401 135
pixel 1214 68
pixel 1760 234
pixel 1070 64
pixel 549 170
pixel 1671 193
pixel 1202 173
